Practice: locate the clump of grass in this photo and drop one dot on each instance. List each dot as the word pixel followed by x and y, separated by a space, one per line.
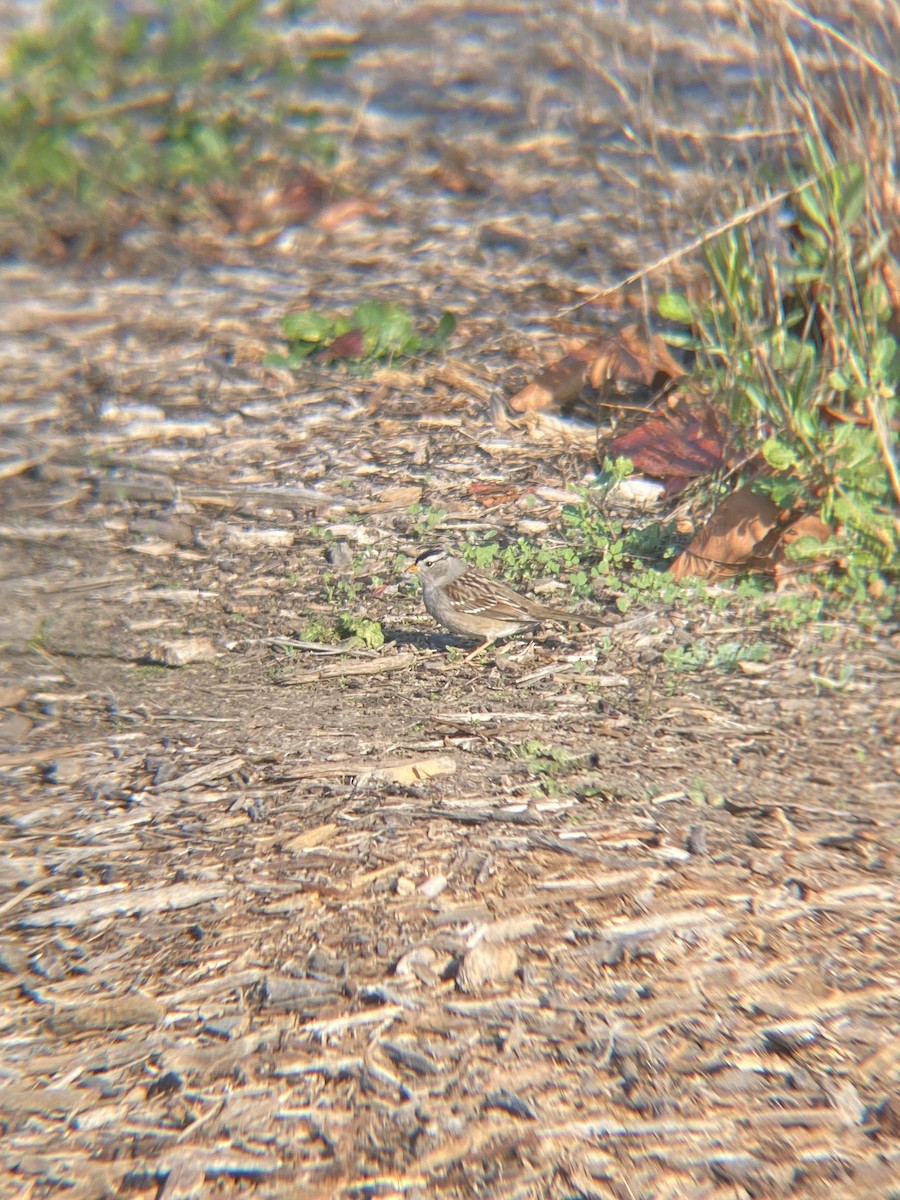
pixel 798 334
pixel 101 103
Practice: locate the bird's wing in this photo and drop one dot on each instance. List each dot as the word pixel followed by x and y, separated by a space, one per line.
pixel 477 593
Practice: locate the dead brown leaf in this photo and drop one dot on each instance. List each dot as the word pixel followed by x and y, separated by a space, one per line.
pixel 629 356
pixel 747 532
pixel 349 345
pixel 739 536
pixel 344 212
pixel 489 495
pixel 808 525
pixel 293 201
pixel 625 356
pixel 560 383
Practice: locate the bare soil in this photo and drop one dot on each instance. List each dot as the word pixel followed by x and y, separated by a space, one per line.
pixel 290 922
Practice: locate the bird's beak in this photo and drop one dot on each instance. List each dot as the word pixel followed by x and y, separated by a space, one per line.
pixel 412 569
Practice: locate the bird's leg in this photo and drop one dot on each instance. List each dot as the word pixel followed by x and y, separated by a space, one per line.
pixel 478 650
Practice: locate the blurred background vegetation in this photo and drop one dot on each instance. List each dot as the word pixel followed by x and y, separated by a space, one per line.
pixel 176 111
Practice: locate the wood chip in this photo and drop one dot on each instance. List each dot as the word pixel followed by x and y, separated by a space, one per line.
pixel 130 903
pixel 117 1013
pixel 416 770
pixel 320 836
pixel 380 666
pixel 182 651
pixel 12 694
pixel 487 966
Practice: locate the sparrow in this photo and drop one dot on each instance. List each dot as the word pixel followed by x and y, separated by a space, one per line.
pixel 470 602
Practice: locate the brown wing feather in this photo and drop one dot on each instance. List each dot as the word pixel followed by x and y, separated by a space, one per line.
pixel 475 592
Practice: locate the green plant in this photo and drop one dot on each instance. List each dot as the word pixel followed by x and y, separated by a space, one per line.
pixel 425 518
pixel 793 611
pixel 362 630
pixel 800 347
pixel 102 103
pixel 544 759
pixel 612 472
pixel 548 764
pixel 729 654
pixel 686 658
pixel 339 589
pixel 724 657
pixel 320 631
pixel 373 332
pixel 594 553
pixel 149 671
pixel 699 793
pixel 38 640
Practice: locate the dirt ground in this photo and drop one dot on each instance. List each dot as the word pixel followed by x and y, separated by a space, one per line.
pixel 290 922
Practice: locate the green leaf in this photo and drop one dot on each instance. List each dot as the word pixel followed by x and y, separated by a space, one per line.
pixel 388 329
pixel 445 327
pixel 808 201
pixel 673 306
pixel 779 455
pixel 369 632
pixel 807 549
pixel 885 361
pixel 682 340
pixel 784 492
pixel 290 361
pixel 838 380
pixel 851 197
pixel 307 326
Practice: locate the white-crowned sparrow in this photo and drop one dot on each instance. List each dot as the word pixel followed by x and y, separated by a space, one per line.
pixel 469 602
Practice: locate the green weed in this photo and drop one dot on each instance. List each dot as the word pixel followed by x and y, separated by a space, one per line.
pixel 700 655
pixel 341 589
pixel 594 554
pixel 362 631
pixel 548 764
pixel 150 671
pixel 373 332
pixel 700 794
pixel 425 519
pixel 321 631
pixel 38 640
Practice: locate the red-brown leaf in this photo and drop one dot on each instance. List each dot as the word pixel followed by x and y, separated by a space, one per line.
pixel 677 444
pixel 349 345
